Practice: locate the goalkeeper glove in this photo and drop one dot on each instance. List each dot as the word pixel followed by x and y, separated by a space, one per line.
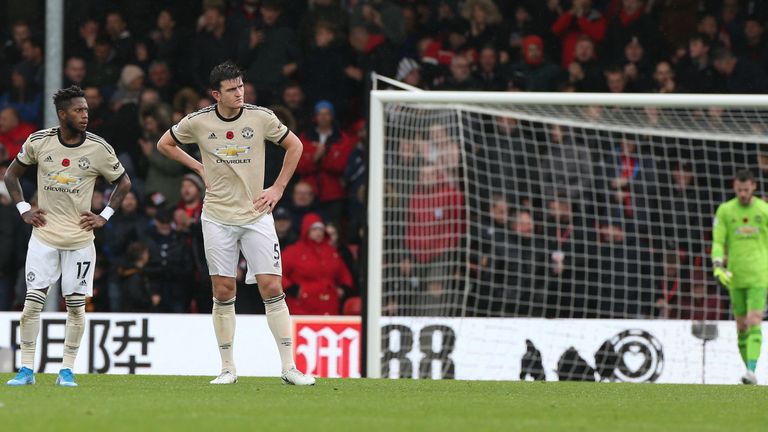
pixel 723 275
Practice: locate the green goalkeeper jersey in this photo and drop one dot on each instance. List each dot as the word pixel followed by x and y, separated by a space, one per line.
pixel 743 232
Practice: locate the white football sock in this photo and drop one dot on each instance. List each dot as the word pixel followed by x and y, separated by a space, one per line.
pixel 279 321
pixel 30 326
pixel 73 332
pixel 224 327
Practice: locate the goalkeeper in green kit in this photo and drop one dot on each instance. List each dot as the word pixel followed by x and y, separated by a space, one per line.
pixel 740 231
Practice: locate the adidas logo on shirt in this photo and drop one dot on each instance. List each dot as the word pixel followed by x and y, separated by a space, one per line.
pixel 212 136
pixel 48 159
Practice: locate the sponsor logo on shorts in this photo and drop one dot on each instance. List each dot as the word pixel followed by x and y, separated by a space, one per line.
pixel 30 276
pixel 277 264
pixel 83 283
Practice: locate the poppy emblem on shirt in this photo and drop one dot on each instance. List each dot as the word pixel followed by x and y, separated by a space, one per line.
pixel 230 134
pixel 65 162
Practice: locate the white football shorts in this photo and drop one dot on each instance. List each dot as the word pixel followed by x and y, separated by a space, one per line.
pixel 46 264
pixel 258 242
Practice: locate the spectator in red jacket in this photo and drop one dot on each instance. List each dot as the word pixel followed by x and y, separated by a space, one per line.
pixel 13 132
pixel 581 19
pixel 326 152
pixel 314 275
pixel 435 217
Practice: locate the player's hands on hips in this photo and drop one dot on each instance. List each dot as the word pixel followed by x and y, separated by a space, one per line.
pixel 268 199
pixel 723 275
pixel 90 221
pixel 35 217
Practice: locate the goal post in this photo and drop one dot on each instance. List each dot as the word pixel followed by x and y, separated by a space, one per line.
pixel 443 165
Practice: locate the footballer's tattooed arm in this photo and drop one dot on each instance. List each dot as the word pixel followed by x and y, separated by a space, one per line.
pixel 34 217
pixel 121 190
pixel 15 171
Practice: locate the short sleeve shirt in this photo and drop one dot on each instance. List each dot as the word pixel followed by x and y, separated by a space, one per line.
pixel 233 155
pixel 66 175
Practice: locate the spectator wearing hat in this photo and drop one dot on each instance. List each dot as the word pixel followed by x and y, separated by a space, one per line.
pixel 539 73
pixel 314 275
pixel 409 72
pixel 190 206
pixel 129 87
pixel 284 227
pixel 13 132
pixel 326 152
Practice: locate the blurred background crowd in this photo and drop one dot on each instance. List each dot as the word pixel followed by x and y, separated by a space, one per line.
pixel 143 65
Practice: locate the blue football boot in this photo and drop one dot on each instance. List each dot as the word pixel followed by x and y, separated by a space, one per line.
pixel 66 378
pixel 25 377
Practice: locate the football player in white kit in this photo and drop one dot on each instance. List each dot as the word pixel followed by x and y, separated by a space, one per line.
pixel 237 210
pixel 69 160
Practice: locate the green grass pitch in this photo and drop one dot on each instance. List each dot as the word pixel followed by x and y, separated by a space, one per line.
pixel 175 403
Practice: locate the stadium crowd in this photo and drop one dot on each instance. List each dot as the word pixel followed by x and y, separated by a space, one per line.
pixel 144 64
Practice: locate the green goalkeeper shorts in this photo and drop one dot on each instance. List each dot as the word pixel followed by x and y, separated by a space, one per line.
pixel 744 300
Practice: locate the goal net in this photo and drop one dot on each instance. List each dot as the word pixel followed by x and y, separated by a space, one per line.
pixel 549 206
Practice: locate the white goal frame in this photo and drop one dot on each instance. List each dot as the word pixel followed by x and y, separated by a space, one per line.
pixel 458 99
